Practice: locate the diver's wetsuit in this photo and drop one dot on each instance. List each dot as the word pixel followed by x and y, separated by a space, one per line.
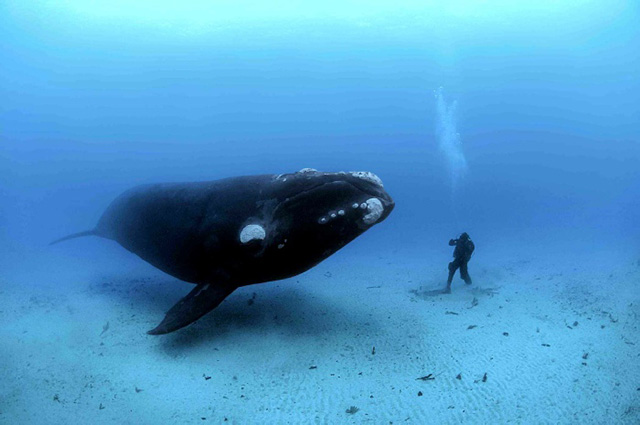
pixel 461 256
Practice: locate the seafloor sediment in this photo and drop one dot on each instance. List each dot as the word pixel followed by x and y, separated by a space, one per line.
pixel 533 340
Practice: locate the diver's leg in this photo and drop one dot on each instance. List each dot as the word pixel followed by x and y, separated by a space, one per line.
pixel 464 273
pixel 452 269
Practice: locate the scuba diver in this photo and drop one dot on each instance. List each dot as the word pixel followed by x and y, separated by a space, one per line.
pixel 461 256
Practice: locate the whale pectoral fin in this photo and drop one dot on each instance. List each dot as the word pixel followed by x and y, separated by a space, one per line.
pixel 201 300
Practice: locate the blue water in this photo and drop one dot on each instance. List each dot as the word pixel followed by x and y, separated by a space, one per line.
pixel 518 122
pixel 546 111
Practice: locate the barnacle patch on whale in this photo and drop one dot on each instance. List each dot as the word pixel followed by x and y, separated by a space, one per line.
pixel 367 175
pixel 252 232
pixel 375 210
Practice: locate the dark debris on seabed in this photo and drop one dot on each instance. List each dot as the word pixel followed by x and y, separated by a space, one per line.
pixel 352 410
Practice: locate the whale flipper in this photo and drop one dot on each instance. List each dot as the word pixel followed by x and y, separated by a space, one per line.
pixel 201 300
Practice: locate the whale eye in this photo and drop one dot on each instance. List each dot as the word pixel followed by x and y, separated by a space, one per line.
pixel 252 232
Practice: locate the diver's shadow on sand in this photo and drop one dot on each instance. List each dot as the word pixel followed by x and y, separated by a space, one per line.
pixel 284 308
pixel 427 292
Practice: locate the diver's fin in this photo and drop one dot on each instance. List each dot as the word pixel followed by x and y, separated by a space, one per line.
pixel 91 232
pixel 201 300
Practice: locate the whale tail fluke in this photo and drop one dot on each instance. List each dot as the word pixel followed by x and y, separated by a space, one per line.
pixel 91 232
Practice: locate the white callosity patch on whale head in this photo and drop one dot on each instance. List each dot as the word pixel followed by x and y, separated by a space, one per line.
pixel 367 175
pixel 252 232
pixel 284 177
pixel 375 210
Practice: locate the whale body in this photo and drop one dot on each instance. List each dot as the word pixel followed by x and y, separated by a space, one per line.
pixel 223 234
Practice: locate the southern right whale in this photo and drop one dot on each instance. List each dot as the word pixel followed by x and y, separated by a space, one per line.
pixel 238 231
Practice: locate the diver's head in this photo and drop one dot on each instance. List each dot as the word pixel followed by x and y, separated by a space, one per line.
pixel 464 236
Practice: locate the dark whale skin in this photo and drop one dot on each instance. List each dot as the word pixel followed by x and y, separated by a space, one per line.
pixel 197 232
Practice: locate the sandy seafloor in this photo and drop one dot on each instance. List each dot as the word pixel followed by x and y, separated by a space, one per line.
pixel 556 335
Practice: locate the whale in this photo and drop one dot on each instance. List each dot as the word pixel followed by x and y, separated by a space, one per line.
pixel 224 234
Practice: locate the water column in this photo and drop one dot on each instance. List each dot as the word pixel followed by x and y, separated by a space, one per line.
pixel 450 144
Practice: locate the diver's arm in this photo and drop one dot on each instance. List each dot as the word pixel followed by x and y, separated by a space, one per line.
pixel 453 242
